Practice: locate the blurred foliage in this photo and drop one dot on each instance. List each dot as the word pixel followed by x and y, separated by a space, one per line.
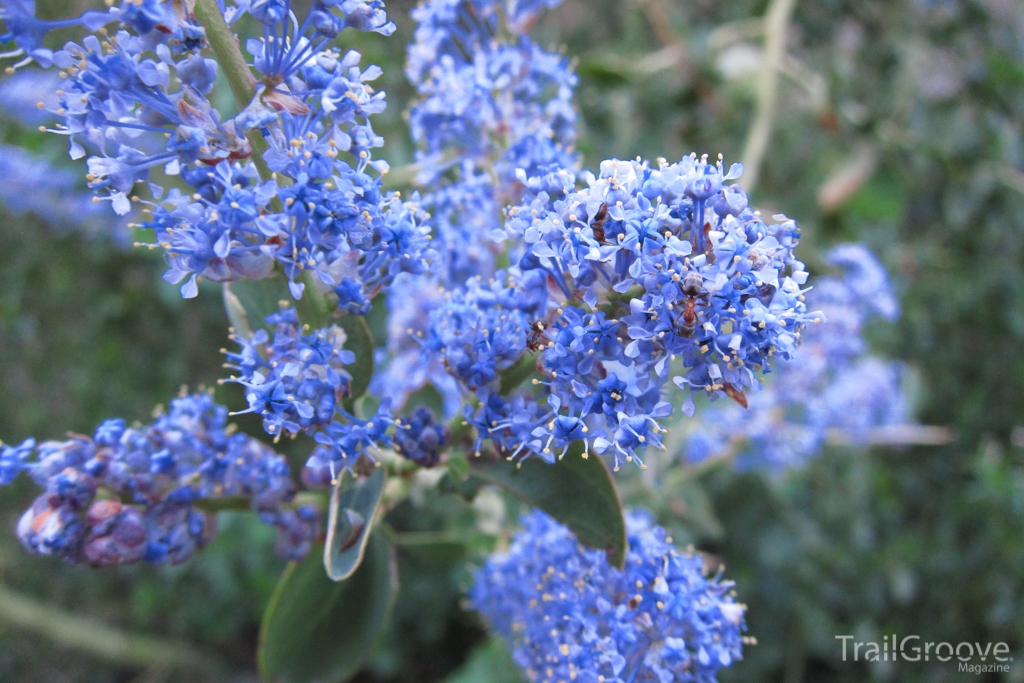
pixel 900 124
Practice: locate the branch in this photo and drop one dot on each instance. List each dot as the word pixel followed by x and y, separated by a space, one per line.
pixel 775 24
pixel 235 69
pixel 1009 176
pixel 96 638
pixel 901 435
pixel 657 17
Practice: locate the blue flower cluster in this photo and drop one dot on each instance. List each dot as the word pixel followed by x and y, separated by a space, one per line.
pixel 298 384
pixel 489 96
pixel 420 439
pixel 490 102
pixel 129 494
pixel 137 100
pixel 643 277
pixel 569 615
pixel 833 384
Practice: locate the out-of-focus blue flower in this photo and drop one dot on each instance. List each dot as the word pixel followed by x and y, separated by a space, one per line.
pixel 419 438
pixel 408 365
pixel 187 454
pixel 490 102
pixel 22 28
pixel 32 185
pixel 14 459
pixel 831 384
pixel 488 107
pixel 569 615
pixel 30 96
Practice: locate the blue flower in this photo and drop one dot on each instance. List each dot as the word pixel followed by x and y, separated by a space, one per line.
pixel 136 101
pixel 297 383
pixel 52 527
pixel 831 385
pixel 476 334
pixel 117 534
pixel 27 32
pixel 33 185
pixel 344 442
pixel 419 438
pixel 644 279
pixel 13 460
pixel 186 455
pixel 569 615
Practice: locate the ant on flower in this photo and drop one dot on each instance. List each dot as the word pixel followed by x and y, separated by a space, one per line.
pixel 692 287
pixel 597 225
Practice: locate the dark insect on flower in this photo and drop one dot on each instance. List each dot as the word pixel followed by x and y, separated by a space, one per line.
pixel 597 225
pixel 693 289
pixel 709 249
pixel 536 339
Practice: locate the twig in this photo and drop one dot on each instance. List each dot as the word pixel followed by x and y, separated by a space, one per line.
pixel 657 17
pixel 235 69
pixel 844 182
pixel 735 31
pixel 775 23
pixel 900 435
pixel 1010 177
pixel 99 639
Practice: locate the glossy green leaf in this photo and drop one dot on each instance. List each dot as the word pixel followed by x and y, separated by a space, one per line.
pixel 260 298
pixel 359 340
pixel 577 491
pixel 255 300
pixel 354 503
pixel 320 631
pixel 314 308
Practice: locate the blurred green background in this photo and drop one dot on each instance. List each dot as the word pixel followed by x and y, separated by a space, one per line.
pixel 898 123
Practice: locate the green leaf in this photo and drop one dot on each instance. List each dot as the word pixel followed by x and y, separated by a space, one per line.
pixel 458 466
pixel 602 72
pixel 237 315
pixel 319 631
pixel 517 373
pixel 467 487
pixel 256 299
pixel 432 546
pixel 359 340
pixel 314 308
pixel 690 502
pixel 490 662
pixel 577 491
pixel 260 298
pixel 354 503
